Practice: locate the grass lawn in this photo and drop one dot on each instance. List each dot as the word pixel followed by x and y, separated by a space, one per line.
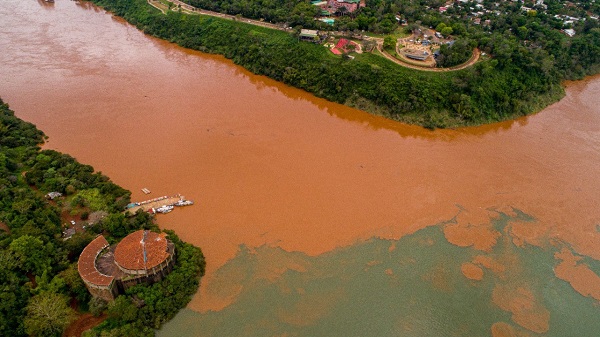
pixel 397 34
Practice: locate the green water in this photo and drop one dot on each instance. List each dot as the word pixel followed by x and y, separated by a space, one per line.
pixel 372 289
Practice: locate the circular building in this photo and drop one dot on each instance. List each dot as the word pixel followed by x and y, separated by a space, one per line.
pixel 141 257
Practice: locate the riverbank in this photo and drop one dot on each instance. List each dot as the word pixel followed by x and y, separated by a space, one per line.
pixel 33 232
pixel 484 93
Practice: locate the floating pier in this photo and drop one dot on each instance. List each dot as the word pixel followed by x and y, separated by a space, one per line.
pixel 155 204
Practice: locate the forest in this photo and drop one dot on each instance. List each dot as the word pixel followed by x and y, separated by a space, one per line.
pixel 42 292
pixel 518 79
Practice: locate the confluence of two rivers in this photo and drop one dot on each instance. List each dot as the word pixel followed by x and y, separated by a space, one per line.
pixel 269 164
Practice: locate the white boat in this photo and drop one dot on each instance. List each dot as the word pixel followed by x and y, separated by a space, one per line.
pixel 164 209
pixel 184 203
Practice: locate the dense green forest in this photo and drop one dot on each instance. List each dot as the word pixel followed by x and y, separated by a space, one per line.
pixel 41 291
pixel 516 81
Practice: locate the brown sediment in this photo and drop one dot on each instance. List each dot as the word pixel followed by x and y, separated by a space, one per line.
pixel 83 323
pixel 521 302
pixel 481 237
pixel 268 265
pixel 528 233
pixel 269 164
pixel 579 275
pixel 489 263
pixel 503 329
pixel 471 271
pixel 272 263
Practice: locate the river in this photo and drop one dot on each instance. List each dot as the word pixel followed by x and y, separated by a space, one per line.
pixel 295 183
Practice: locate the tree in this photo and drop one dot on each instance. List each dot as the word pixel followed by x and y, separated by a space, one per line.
pixel 47 315
pixel 97 306
pixel 447 31
pixel 389 42
pixel 29 251
pixel 122 309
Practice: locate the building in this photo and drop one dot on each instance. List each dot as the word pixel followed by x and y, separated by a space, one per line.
pixel 309 35
pixel 53 195
pixel 141 257
pixel 99 284
pixel 350 5
pixel 414 54
pixel 570 32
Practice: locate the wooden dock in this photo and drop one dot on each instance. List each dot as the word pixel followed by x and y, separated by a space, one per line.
pixel 153 203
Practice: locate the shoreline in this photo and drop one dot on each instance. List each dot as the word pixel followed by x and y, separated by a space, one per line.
pixel 370 82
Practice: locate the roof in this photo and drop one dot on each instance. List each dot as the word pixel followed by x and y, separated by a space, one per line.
pixel 341 43
pixel 308 32
pixel 141 250
pixel 87 263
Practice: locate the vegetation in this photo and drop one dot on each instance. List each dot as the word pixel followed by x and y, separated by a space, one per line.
pixel 41 287
pixel 457 53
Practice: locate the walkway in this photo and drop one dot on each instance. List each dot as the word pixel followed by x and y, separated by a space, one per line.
pixel 474 58
pixel 154 203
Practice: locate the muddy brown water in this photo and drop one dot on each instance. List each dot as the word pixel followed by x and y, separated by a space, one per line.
pixel 270 164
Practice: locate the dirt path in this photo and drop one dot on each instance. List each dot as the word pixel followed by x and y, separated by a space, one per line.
pixel 83 323
pixel 193 10
pixel 474 58
pixel 158 6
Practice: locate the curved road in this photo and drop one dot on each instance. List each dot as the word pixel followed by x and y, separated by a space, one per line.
pixel 474 58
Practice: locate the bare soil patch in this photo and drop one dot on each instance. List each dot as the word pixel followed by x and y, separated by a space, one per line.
pixel 83 323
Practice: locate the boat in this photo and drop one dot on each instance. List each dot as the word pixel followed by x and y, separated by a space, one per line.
pixel 164 209
pixel 184 203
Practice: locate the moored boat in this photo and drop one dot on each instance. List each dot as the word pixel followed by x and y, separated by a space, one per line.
pixel 184 203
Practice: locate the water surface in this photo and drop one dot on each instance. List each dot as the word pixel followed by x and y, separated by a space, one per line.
pixel 271 166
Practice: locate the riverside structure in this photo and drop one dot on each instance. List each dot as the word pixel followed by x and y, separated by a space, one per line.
pixel 141 257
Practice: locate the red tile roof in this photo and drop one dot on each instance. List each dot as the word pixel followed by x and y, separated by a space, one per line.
pixel 87 263
pixel 336 51
pixel 129 253
pixel 341 43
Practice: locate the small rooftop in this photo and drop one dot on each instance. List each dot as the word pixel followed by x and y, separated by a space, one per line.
pixel 308 32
